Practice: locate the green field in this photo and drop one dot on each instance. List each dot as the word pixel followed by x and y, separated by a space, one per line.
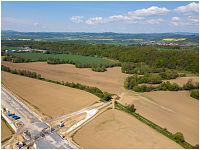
pixel 10 48
pixel 75 58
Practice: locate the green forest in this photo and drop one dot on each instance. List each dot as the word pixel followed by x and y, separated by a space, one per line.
pixel 153 58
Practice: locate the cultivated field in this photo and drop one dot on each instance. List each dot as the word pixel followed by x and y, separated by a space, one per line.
pixel 184 114
pixel 116 129
pixel 111 81
pixel 5 131
pixel 176 111
pixel 74 58
pixel 51 99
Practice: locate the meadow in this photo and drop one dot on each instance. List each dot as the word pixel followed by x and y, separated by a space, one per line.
pixel 74 58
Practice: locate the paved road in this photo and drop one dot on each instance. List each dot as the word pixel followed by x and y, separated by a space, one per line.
pixel 33 122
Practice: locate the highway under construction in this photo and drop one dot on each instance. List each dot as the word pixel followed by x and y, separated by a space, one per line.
pixel 35 132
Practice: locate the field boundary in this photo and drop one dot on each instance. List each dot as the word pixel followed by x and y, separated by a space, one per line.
pixel 159 129
pixel 104 96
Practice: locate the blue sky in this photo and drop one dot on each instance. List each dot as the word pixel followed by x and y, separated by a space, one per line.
pixel 121 17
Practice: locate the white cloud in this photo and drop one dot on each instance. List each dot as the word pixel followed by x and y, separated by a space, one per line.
pixel 77 19
pixel 154 21
pixel 192 7
pixel 131 17
pixel 176 21
pixel 124 18
pixel 193 20
pixel 94 21
pixel 36 24
pixel 153 10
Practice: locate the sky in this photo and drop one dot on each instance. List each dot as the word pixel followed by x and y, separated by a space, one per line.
pixel 119 17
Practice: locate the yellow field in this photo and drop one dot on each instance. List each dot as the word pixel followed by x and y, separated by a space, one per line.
pixel 174 39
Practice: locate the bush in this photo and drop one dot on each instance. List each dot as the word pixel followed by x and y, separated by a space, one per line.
pixel 168 74
pixel 143 88
pixel 106 96
pixel 194 94
pixel 99 68
pixel 131 108
pixel 179 137
pixel 190 85
pixel 167 86
pixel 133 81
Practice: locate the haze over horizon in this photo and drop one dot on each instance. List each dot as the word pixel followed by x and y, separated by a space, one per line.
pixel 98 17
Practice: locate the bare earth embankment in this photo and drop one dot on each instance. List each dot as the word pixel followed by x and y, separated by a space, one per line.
pixel 116 129
pixel 176 111
pixel 5 131
pixel 51 99
pixel 110 81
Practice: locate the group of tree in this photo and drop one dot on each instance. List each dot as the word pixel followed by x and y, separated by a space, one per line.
pixel 21 72
pixel 15 59
pixel 195 93
pixel 171 59
pixel 105 96
pixel 139 68
pixel 149 78
pixel 144 83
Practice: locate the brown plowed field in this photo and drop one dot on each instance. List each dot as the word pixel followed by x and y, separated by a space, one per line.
pixel 51 99
pixel 110 81
pixel 5 131
pixel 176 111
pixel 183 118
pixel 117 129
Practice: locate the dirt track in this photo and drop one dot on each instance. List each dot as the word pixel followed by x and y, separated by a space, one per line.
pixel 116 129
pixel 176 111
pixel 5 131
pixel 51 99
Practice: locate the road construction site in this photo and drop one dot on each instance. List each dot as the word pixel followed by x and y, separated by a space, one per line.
pixel 40 134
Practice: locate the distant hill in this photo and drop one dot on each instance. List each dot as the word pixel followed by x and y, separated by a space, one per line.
pixel 98 36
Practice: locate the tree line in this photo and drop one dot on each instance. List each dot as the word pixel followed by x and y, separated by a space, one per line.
pixel 177 137
pixel 144 83
pixel 104 96
pixel 149 55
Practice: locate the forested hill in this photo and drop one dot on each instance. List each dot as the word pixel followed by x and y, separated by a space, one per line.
pixel 173 59
pixel 99 36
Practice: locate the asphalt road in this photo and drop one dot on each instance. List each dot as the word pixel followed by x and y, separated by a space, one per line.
pixel 32 122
